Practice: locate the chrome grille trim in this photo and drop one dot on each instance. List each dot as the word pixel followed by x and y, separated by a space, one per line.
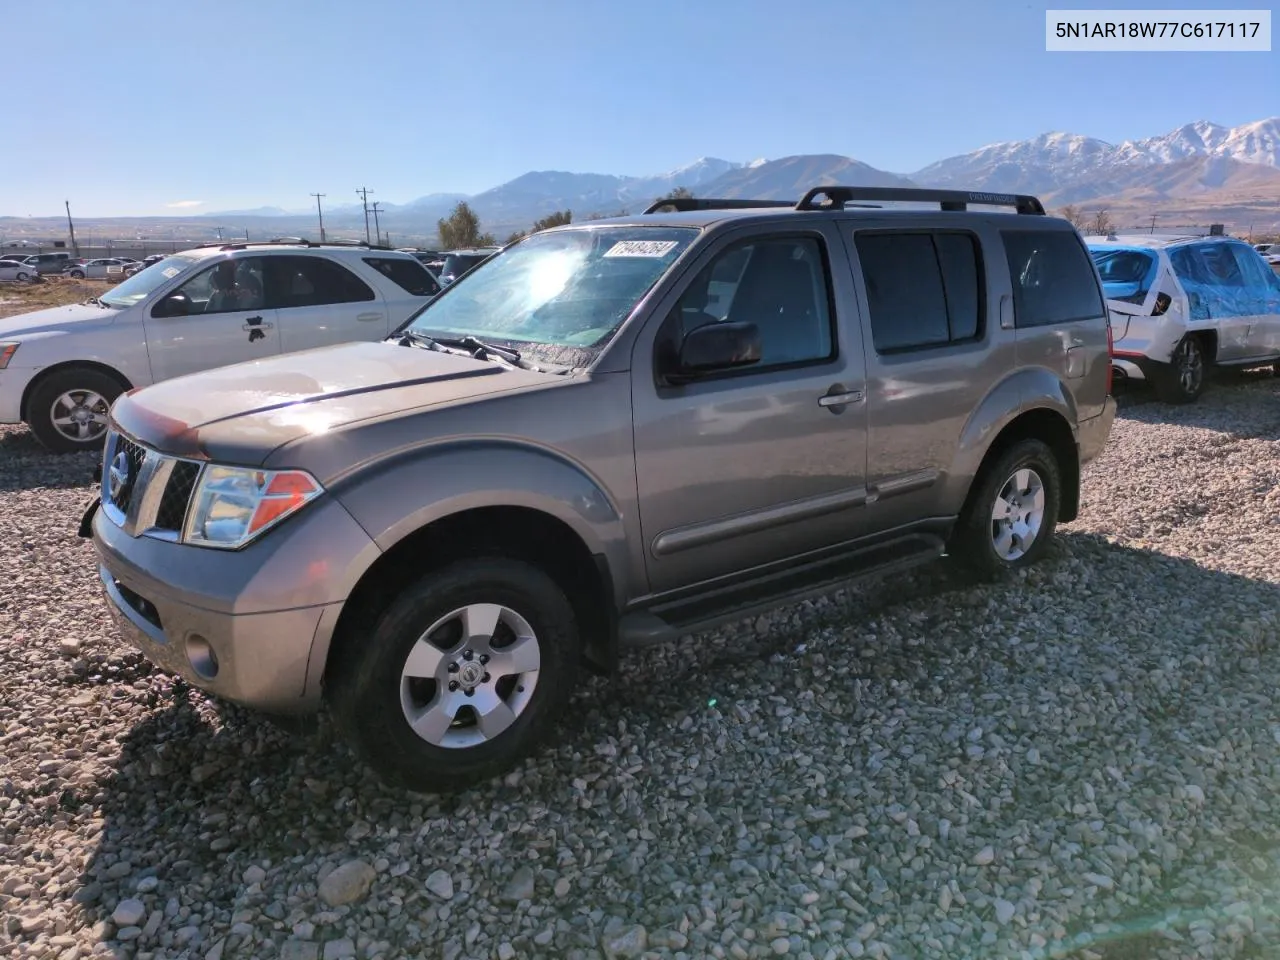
pixel 137 510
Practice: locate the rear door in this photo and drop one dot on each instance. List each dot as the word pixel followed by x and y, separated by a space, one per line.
pixel 408 285
pixel 1263 335
pixel 1059 316
pixel 321 302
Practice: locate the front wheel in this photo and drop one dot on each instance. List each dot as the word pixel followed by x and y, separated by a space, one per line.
pixel 22 277
pixel 77 274
pixel 1182 379
pixel 68 410
pixel 462 675
pixel 1010 517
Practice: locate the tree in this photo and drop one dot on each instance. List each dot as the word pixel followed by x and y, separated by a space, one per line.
pixel 558 219
pixel 679 193
pixel 605 216
pixel 1101 224
pixel 462 229
pixel 1074 215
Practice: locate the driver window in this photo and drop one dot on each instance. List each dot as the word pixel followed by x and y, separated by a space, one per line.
pixel 229 286
pixel 779 284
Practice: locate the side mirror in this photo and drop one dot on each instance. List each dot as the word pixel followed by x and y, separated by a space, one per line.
pixel 714 347
pixel 174 305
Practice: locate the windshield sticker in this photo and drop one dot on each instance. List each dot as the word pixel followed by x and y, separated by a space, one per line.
pixel 641 248
pixel 170 272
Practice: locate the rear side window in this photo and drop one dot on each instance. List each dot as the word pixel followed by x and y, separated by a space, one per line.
pixel 409 275
pixel 923 289
pixel 312 282
pixel 1053 278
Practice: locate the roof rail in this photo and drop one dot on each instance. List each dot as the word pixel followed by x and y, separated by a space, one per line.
pixel 285 242
pixel 838 197
pixel 688 204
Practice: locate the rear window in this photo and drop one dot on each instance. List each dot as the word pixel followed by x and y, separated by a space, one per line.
pixel 1127 272
pixel 409 275
pixel 1053 278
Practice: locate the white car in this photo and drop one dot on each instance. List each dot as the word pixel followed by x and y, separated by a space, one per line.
pixel 16 270
pixel 105 268
pixel 61 368
pixel 1180 305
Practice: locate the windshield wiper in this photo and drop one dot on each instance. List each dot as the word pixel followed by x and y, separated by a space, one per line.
pixel 412 338
pixel 476 345
pixel 97 303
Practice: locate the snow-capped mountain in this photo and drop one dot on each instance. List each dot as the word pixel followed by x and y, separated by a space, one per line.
pixel 1051 161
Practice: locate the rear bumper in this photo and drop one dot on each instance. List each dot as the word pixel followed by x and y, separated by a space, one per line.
pixel 1092 434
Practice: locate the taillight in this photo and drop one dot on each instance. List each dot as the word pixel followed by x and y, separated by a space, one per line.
pixel 1111 355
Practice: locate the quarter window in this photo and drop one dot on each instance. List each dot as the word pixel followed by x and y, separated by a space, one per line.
pixel 1054 280
pixel 923 289
pixel 407 274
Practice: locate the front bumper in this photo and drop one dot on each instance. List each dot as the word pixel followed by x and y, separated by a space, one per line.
pixel 251 626
pixel 1092 434
pixel 13 383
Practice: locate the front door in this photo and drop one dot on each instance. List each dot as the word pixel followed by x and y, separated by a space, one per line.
pixel 743 468
pixel 214 319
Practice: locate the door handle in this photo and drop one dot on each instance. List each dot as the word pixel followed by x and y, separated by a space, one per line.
pixel 367 317
pixel 255 323
pixel 840 399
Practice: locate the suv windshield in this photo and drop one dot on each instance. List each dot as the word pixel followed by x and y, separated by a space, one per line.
pixel 139 286
pixel 569 288
pixel 1127 272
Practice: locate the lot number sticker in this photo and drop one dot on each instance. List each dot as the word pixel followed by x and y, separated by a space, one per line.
pixel 641 248
pixel 169 272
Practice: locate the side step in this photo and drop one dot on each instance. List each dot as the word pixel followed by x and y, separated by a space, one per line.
pixel 713 608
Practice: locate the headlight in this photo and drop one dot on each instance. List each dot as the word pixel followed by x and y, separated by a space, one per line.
pixel 7 350
pixel 233 505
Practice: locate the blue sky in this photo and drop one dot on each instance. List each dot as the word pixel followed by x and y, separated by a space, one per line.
pixel 241 103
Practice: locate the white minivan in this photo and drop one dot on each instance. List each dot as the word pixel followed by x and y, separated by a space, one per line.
pixel 61 368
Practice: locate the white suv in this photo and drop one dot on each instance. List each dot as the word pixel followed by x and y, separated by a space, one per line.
pixel 61 368
pixel 1179 305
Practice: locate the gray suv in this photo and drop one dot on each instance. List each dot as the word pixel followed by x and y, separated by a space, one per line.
pixel 610 434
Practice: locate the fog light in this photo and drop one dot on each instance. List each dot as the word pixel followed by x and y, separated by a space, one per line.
pixel 201 657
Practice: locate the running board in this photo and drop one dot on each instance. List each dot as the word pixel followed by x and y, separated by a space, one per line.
pixel 704 611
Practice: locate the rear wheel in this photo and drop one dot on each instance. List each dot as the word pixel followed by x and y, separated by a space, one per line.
pixel 1012 512
pixel 67 411
pixel 22 277
pixel 1182 379
pixel 462 675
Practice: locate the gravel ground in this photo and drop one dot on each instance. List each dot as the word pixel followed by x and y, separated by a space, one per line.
pixel 1082 763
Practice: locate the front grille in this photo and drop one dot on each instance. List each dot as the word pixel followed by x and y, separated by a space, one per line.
pixel 177 495
pixel 144 491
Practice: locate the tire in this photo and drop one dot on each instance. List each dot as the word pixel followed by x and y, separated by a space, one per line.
pixel 978 537
pixel 22 278
pixel 1182 380
pixel 80 393
pixel 77 274
pixel 371 699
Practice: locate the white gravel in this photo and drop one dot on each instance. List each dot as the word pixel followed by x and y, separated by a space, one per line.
pixel 1084 763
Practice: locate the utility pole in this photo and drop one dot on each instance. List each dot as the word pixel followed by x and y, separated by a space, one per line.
pixel 72 228
pixel 320 213
pixel 377 228
pixel 364 196
pixel 1153 223
pixel 219 229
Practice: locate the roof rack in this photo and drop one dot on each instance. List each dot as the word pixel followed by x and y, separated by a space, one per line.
pixel 286 242
pixel 957 200
pixel 689 204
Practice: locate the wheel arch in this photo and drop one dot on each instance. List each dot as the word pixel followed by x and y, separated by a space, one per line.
pixel 1050 426
pixel 517 532
pixel 57 368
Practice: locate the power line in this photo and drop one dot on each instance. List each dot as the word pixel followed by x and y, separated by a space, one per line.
pixel 321 214
pixel 377 228
pixel 364 196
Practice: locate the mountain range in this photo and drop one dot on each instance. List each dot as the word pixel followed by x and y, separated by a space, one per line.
pixel 1199 173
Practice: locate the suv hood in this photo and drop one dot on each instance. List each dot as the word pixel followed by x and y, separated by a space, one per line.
pixel 240 413
pixel 55 320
